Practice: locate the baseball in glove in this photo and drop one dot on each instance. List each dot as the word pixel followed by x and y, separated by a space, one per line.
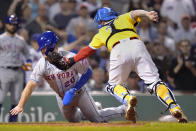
pixel 59 61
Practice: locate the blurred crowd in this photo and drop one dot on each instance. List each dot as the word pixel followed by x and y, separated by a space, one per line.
pixel 171 42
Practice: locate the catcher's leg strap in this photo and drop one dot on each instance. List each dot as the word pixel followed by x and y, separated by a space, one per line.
pixel 120 93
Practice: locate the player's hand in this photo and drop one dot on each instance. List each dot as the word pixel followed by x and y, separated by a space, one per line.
pixel 188 64
pixel 27 67
pixel 153 16
pixel 180 60
pixel 69 62
pixel 16 110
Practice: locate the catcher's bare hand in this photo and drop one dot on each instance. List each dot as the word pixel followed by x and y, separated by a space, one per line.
pixel 153 16
pixel 16 110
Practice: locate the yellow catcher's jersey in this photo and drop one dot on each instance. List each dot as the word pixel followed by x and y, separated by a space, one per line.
pixel 121 22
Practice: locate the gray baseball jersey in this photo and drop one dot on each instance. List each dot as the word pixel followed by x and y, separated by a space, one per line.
pixel 13 49
pixel 60 81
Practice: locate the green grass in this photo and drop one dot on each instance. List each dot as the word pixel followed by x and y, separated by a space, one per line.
pixel 114 126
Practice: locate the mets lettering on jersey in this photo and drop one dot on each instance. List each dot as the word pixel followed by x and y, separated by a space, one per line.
pixel 12 51
pixel 60 81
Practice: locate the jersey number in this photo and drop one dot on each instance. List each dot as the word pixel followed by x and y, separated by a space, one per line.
pixel 68 83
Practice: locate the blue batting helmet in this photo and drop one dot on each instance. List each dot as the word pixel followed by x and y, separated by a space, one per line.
pixel 47 39
pixel 104 14
pixel 12 19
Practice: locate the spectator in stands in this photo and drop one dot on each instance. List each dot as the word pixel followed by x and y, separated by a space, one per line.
pixel 24 34
pixel 97 81
pixel 74 42
pixel 106 3
pixel 163 37
pixel 185 32
pixel 104 55
pixel 84 18
pixel 34 5
pixel 131 6
pixel 1 27
pixel 63 18
pixel 183 68
pixel 53 9
pixel 26 15
pixel 162 57
pixel 173 10
pixel 94 61
pixel 72 5
pixel 133 82
pixel 38 25
pixel 149 47
pixel 155 5
pixel 17 7
pixel 92 5
pixel 22 10
pixel 146 31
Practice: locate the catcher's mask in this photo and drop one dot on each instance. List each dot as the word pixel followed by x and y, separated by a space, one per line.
pixel 104 14
pixel 47 39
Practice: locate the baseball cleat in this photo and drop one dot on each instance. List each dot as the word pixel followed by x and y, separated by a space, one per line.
pixel 177 113
pixel 130 111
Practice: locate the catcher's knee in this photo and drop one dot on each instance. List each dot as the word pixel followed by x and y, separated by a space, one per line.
pixel 153 86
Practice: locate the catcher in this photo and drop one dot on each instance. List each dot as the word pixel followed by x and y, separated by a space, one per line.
pixel 128 53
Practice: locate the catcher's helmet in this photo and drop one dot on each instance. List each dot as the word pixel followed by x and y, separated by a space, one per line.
pixel 104 14
pixel 12 19
pixel 47 39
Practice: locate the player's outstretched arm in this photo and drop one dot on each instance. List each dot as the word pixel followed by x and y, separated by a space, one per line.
pixel 82 54
pixel 152 15
pixel 24 97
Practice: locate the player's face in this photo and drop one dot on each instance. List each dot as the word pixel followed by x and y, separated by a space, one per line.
pixel 43 51
pixel 11 28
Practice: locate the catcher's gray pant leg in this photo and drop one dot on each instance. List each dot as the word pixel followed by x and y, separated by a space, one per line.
pixel 90 111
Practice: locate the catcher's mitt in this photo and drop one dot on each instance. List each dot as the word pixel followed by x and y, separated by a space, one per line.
pixel 57 60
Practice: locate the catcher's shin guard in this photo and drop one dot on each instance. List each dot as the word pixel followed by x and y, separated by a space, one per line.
pixel 122 95
pixel 166 96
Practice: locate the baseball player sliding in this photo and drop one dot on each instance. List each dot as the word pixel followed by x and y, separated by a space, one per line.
pixel 67 84
pixel 128 53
